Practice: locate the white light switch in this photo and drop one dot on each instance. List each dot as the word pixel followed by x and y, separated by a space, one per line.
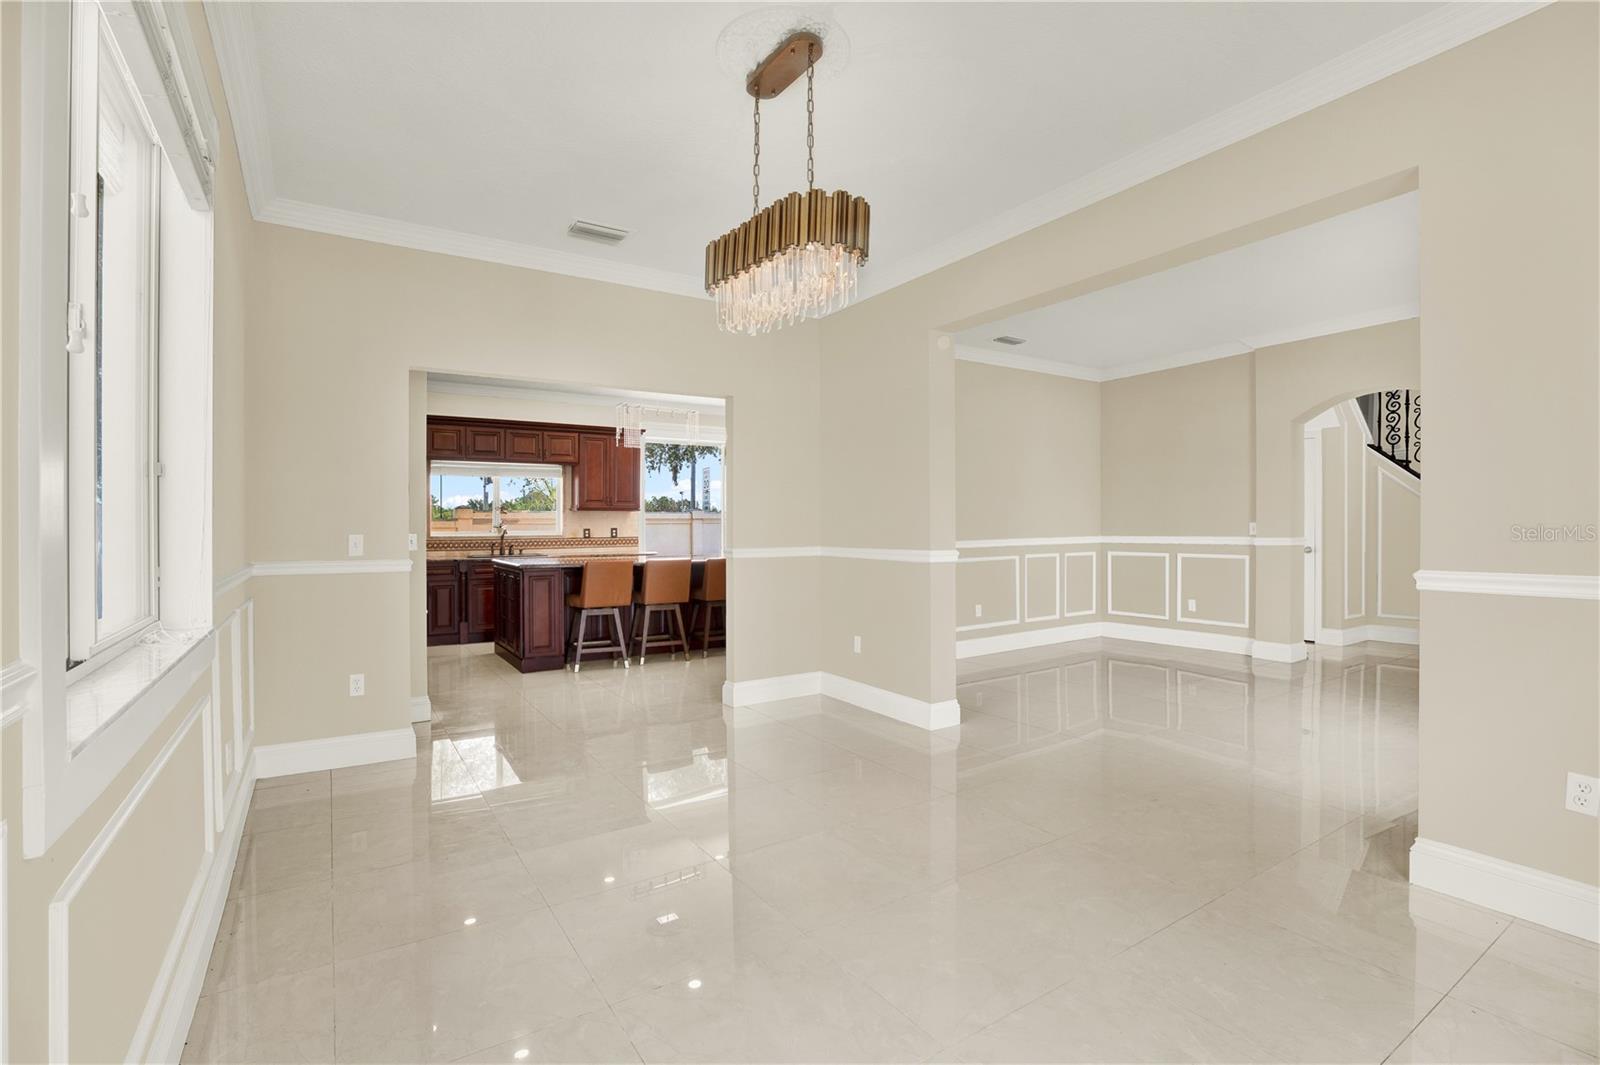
pixel 411 541
pixel 1191 606
pixel 857 644
pixel 977 610
pixel 358 684
pixel 358 545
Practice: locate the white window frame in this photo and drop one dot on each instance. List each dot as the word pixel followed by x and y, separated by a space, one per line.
pixel 96 55
pixel 498 470
pixel 61 781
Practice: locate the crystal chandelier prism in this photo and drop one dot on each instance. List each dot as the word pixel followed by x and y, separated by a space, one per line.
pixel 798 257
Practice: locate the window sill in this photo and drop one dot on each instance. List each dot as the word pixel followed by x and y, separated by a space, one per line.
pixel 100 697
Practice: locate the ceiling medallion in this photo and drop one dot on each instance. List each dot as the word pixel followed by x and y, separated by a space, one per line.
pixel 798 257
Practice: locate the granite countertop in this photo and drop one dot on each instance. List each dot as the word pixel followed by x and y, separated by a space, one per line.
pixel 532 561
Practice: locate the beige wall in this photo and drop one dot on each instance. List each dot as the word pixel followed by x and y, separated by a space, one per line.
pixel 343 324
pixel 1510 364
pixel 1197 451
pixel 1027 449
pixel 1175 451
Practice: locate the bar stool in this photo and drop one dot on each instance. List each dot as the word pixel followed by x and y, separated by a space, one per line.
pixel 711 594
pixel 607 585
pixel 664 591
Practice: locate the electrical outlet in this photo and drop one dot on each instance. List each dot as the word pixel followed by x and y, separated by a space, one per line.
pixel 977 610
pixel 358 545
pixel 1583 794
pixel 1191 606
pixel 857 644
pixel 1252 528
pixel 358 684
pixel 411 541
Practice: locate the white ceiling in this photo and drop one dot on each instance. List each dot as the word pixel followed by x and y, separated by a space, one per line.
pixel 1348 271
pixel 484 129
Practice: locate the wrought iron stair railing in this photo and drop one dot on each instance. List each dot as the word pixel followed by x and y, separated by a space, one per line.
pixel 1395 421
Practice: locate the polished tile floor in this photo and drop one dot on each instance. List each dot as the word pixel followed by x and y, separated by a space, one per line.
pixel 1122 854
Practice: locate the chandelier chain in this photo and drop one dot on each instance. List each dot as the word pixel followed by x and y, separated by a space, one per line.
pixel 811 110
pixel 755 166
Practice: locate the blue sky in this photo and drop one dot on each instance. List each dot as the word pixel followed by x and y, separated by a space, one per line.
pixel 661 484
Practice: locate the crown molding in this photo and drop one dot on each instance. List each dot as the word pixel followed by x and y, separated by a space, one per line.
pixel 233 36
pixel 1244 346
pixel 341 223
pixel 1030 363
pixel 1405 46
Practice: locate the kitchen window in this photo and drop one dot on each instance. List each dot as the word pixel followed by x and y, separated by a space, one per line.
pixel 113 268
pixel 481 499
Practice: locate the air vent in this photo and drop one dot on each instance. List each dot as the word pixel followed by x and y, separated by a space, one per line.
pixel 1009 341
pixel 596 231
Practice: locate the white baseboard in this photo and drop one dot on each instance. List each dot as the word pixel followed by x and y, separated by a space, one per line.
pixel 1364 633
pixel 1018 641
pixel 771 689
pixel 892 704
pixel 1278 652
pixel 1569 906
pixel 421 709
pixel 878 700
pixel 183 993
pixel 335 752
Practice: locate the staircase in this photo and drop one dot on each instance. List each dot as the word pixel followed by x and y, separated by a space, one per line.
pixel 1394 420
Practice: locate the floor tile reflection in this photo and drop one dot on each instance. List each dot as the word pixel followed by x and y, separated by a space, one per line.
pixel 1120 854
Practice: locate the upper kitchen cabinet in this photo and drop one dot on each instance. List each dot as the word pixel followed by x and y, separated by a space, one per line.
pixel 595 463
pixel 560 446
pixel 502 441
pixel 485 442
pixel 607 474
pixel 446 440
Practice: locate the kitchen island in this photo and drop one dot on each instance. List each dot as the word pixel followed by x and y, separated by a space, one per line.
pixel 531 624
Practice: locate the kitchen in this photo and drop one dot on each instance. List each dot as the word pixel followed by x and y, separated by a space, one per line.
pixel 530 487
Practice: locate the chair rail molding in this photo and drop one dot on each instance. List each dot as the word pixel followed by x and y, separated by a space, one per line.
pixel 1531 585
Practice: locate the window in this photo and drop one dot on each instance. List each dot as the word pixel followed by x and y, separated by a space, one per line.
pixel 115 173
pixel 481 499
pixel 682 478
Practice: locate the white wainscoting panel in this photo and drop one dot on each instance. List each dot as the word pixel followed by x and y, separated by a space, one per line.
pixel 1244 576
pixel 1030 611
pixel 1111 584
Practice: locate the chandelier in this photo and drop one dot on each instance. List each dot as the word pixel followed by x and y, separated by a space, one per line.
pixel 798 257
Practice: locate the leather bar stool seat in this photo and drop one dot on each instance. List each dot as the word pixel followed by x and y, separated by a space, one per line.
pixel 664 590
pixel 607 586
pixel 711 595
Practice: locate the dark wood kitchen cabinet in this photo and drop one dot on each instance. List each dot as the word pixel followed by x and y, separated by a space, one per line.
pixel 477 584
pixel 524 445
pixel 446 440
pixel 530 621
pixel 507 441
pixel 560 446
pixel 460 601
pixel 485 442
pixel 607 474
pixel 444 603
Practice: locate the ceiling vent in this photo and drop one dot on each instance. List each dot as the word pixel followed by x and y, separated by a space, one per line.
pixel 596 231
pixel 1009 341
